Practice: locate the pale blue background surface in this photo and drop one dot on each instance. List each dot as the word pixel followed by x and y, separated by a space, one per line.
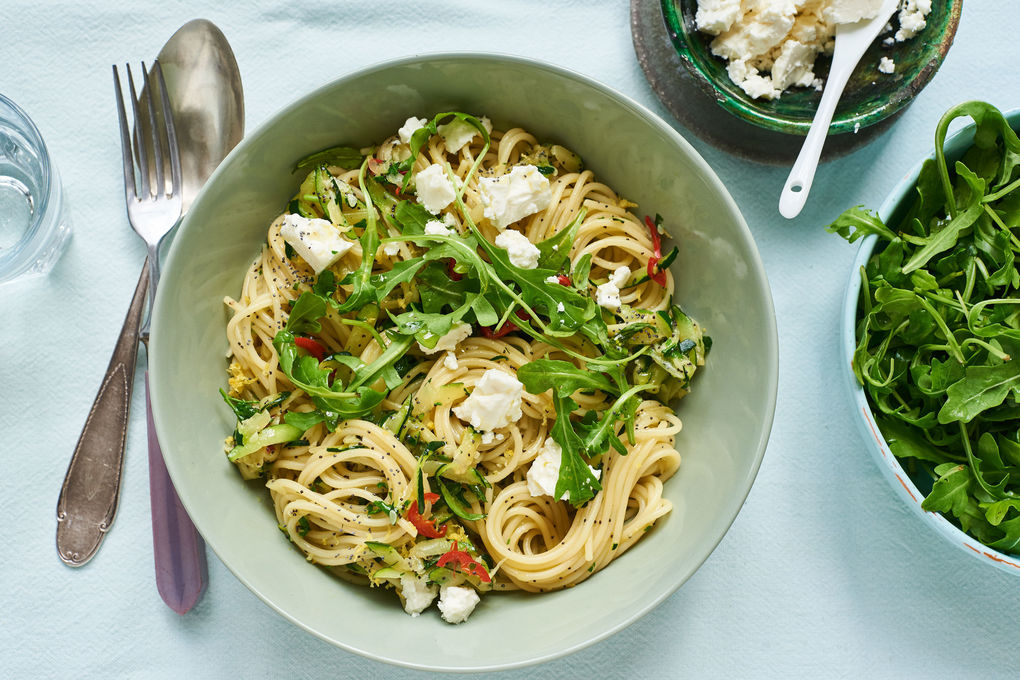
pixel 824 573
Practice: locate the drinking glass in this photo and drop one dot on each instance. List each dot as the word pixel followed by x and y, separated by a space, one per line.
pixel 34 227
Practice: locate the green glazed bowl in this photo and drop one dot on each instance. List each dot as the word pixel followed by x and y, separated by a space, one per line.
pixel 720 277
pixel 869 97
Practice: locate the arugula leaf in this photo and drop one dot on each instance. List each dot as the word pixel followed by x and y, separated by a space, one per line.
pixel 242 408
pixel 355 400
pixel 306 312
pixel 555 250
pixel 859 222
pixel 982 388
pixel 402 272
pixel 951 493
pixel 575 476
pixel 304 421
pixel 345 157
pixel 546 374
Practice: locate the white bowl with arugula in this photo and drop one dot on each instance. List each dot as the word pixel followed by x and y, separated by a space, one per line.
pixel 933 347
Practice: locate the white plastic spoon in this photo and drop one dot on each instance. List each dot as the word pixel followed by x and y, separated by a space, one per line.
pixel 852 41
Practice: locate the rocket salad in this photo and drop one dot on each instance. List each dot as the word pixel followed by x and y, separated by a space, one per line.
pixel 938 328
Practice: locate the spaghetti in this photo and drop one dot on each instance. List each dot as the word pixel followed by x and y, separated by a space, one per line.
pixel 441 415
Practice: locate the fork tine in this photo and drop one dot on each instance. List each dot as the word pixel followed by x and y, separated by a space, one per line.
pixel 171 133
pixel 143 158
pixel 159 188
pixel 125 140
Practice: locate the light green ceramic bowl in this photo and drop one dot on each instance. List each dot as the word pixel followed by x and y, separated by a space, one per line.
pixel 721 282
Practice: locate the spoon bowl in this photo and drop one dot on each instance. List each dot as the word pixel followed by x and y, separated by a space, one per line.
pixel 206 97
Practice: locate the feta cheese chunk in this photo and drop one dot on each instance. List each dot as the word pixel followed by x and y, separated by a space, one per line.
pixel 435 190
pixel 607 295
pixel 851 11
pixel 495 402
pixel 912 18
pixel 317 241
pixel 391 249
pixel 417 594
pixel 411 125
pixel 716 16
pixel 513 196
pixel 545 471
pixel 437 228
pixel 886 65
pixel 458 132
pixel 552 279
pixel 459 331
pixel 450 361
pixel 522 252
pixel 457 602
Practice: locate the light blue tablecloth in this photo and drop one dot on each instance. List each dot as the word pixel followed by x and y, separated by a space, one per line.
pixel 824 573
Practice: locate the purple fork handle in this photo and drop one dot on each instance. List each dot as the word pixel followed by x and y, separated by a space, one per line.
pixel 179 551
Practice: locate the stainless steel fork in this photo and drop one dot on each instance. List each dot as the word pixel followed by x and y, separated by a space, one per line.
pixel 88 497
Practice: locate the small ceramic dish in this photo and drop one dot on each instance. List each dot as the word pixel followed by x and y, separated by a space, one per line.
pixel 912 490
pixel 869 97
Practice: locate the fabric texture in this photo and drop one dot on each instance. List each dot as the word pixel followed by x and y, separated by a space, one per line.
pixel 824 572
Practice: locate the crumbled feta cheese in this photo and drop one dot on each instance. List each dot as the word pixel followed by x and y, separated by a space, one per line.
pixel 458 132
pixel 522 252
pixel 912 18
pixel 457 602
pixel 494 403
pixel 545 471
pixel 435 190
pixel 316 240
pixel 450 220
pixel 489 437
pixel 716 16
pixel 411 125
pixel 552 279
pixel 771 45
pixel 560 308
pixel 513 196
pixel 437 228
pixel 417 594
pixel 448 342
pixel 608 294
pixel 391 249
pixel 851 11
pixel 886 65
pixel 450 361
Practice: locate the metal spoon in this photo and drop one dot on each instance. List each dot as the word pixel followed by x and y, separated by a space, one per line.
pixel 208 106
pixel 206 98
pixel 852 41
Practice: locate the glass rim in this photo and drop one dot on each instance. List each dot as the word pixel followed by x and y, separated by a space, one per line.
pixel 21 250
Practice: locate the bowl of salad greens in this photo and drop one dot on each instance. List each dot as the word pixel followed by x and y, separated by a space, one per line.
pixel 718 275
pixel 931 333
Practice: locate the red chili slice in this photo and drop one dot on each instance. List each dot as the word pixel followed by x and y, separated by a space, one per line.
pixel 563 279
pixel 458 560
pixel 508 327
pixel 450 264
pixel 425 527
pixel 654 273
pixel 311 346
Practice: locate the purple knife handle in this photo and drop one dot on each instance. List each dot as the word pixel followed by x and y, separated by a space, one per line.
pixel 179 551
